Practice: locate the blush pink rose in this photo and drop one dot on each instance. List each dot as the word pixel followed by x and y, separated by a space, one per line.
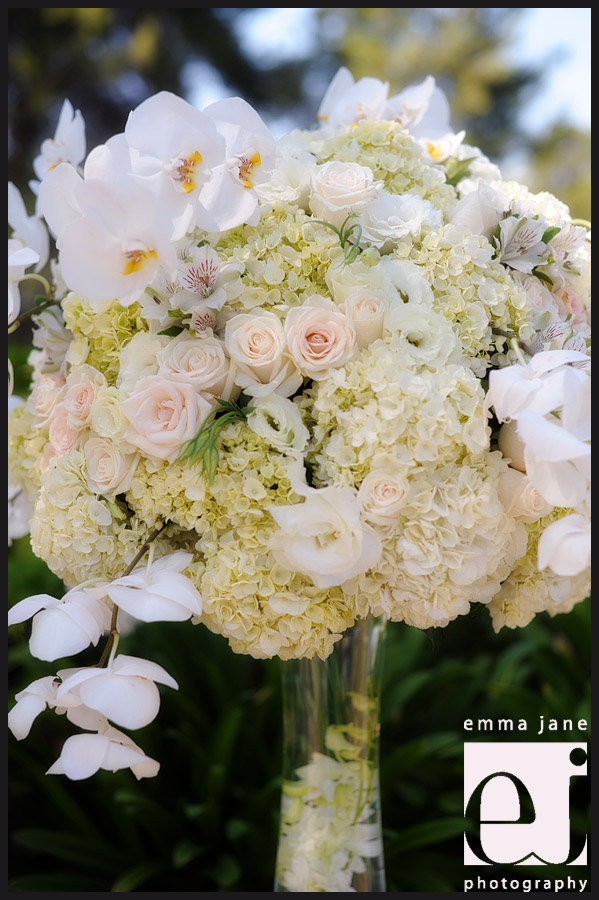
pixel 81 391
pixel 319 337
pixel 164 415
pixel 62 437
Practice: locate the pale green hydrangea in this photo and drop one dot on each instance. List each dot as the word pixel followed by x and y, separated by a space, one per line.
pixel 100 331
pixel 25 450
pixel 528 591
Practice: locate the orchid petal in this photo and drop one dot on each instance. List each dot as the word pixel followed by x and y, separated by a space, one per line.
pixel 81 757
pixel 565 546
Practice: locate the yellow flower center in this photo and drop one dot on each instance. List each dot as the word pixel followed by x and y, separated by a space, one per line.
pixel 435 150
pixel 137 259
pixel 246 163
pixel 185 172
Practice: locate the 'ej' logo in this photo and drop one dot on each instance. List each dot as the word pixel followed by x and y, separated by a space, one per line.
pixel 518 795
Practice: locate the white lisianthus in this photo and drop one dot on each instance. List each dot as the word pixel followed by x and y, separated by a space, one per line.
pixel 520 498
pixel 258 347
pixel 83 755
pixel 292 178
pixel 367 310
pixel 339 188
pixel 424 332
pixel 124 691
pixel 109 470
pixel 481 210
pixel 382 494
pixel 347 102
pixel 279 422
pixel 62 627
pixel 392 216
pixel 163 415
pixel 158 592
pixel 202 362
pixel 319 337
pixel 324 537
pixel 565 546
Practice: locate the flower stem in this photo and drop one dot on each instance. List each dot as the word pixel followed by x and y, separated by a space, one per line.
pixel 507 334
pixel 32 312
pixel 113 637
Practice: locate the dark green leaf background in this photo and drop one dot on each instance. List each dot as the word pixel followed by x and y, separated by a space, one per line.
pixel 208 822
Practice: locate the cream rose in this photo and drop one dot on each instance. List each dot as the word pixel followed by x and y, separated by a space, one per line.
pixel 257 346
pixel 324 537
pixel 319 337
pixel 138 359
pixel 163 415
pixel 107 418
pixel 48 392
pixel 202 362
pixel 339 188
pixel 109 471
pixel 279 422
pixel 382 494
pixel 367 310
pixel 511 445
pixel 81 390
pixel 62 437
pixel 520 499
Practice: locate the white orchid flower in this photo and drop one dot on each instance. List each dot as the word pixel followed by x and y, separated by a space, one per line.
pixel 443 147
pixel 537 387
pixel 565 546
pixel 347 102
pixel 30 231
pixel 178 150
pixel 422 109
pixel 520 245
pixel 62 627
pixel 19 258
pixel 33 700
pixel 158 592
pixel 67 145
pixel 251 156
pixel 124 692
pixel 84 754
pixel 110 237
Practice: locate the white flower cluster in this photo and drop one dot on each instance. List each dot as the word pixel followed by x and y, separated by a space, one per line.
pixel 265 364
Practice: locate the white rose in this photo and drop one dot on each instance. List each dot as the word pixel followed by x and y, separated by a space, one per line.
pixel 81 389
pixel 139 359
pixel 367 310
pixel 257 345
pixel 339 188
pixel 382 494
pixel 279 422
pixel 201 362
pixel 107 418
pixel 319 337
pixel 164 415
pixel 109 471
pixel 324 537
pixel 481 210
pixel 520 499
pixel 511 445
pixel 425 333
pixel 392 216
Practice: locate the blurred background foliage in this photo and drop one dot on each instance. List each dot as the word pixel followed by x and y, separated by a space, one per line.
pixel 209 821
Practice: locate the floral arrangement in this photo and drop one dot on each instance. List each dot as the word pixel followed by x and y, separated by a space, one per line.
pixel 281 385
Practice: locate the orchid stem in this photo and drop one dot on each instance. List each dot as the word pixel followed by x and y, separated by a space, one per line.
pixel 506 334
pixel 113 637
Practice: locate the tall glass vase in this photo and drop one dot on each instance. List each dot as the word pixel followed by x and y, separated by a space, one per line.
pixel 330 831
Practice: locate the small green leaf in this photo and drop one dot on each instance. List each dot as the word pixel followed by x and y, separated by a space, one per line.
pixel 542 276
pixel 456 169
pixel 550 233
pixel 173 331
pixel 210 462
pixel 132 878
pixel 184 852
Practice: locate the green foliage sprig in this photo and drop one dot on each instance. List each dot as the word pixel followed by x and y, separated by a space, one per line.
pixel 350 249
pixel 204 445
